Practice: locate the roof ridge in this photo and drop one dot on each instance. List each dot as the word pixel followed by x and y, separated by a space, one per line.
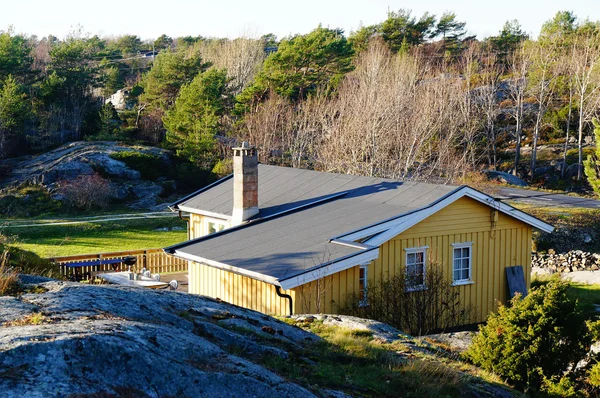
pixel 172 248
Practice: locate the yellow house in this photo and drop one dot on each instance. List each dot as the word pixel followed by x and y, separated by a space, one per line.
pixel 282 240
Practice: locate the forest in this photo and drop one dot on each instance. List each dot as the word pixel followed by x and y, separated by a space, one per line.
pixel 413 97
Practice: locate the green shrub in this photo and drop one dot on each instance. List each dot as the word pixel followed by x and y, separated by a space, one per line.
pixel 534 339
pixel 150 166
pixel 28 201
pixel 223 167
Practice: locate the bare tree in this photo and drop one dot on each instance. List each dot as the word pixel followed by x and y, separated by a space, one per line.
pixel 586 80
pixel 486 98
pixel 242 57
pixel 542 77
pixel 268 126
pixel 519 65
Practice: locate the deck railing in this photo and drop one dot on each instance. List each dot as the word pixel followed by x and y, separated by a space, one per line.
pixel 154 260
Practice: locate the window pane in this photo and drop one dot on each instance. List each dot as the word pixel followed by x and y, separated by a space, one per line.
pixel 456 275
pixel 419 257
pixel 457 263
pixel 465 262
pixel 465 274
pixel 410 258
pixel 456 253
pixel 465 252
pixel 211 228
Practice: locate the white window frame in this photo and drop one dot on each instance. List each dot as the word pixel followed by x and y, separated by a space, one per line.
pixel 469 280
pixel 414 250
pixel 216 221
pixel 363 302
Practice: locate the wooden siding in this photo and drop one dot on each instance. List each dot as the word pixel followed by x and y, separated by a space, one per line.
pixel 195 226
pixel 237 289
pixel 326 295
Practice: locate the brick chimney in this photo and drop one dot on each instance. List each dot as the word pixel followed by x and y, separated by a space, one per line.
pixel 245 183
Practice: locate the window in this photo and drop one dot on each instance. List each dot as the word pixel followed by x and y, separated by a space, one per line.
pixel 362 284
pixel 461 268
pixel 415 267
pixel 213 226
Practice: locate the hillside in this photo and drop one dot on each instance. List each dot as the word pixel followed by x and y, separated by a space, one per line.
pixel 60 339
pixel 93 175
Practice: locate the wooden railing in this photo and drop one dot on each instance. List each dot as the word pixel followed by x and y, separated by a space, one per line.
pixel 154 260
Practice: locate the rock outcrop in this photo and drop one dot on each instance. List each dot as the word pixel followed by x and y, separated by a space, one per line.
pixel 73 339
pixel 85 158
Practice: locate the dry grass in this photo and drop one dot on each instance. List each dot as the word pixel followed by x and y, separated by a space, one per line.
pixel 36 318
pixel 9 279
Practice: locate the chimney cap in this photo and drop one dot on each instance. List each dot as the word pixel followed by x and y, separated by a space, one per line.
pixel 245 145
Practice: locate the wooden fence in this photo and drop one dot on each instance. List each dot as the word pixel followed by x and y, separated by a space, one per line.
pixel 154 260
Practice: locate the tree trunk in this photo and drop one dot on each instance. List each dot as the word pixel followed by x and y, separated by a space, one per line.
pixel 564 163
pixel 580 141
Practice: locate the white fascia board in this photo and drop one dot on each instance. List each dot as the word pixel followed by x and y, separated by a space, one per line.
pixel 205 213
pixel 508 210
pixel 227 267
pixel 412 219
pixel 355 245
pixel 330 269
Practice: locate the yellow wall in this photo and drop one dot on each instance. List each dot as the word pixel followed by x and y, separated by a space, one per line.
pixel 506 242
pixel 237 289
pixel 197 225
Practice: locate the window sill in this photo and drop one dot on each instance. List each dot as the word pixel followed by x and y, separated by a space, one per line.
pixel 461 283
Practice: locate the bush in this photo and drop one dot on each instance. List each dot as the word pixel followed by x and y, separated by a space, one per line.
pixel 150 166
pixel 534 339
pixel 9 279
pixel 421 311
pixel 28 201
pixel 86 191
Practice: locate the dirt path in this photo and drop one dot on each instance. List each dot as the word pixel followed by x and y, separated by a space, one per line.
pixel 84 220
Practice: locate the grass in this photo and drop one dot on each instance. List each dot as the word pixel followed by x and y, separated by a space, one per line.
pixel 587 295
pixel 9 279
pixel 355 363
pixel 36 318
pixel 109 236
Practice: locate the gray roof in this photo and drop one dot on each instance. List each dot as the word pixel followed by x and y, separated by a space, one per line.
pixel 282 245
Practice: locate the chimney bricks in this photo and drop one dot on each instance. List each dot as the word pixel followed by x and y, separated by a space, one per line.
pixel 245 183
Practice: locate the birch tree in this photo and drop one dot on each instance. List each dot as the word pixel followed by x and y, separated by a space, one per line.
pixel 519 66
pixel 542 78
pixel 586 80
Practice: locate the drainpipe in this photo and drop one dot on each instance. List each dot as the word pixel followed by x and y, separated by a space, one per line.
pixel 287 296
pixel 186 219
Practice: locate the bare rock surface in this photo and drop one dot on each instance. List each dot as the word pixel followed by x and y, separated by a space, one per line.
pixel 122 341
pixel 69 161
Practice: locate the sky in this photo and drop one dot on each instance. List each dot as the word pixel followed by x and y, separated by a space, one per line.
pixel 233 18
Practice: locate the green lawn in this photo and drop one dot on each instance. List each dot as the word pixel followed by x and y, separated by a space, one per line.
pixel 108 236
pixel 587 295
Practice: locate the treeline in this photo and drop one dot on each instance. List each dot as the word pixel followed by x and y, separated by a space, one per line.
pixel 411 97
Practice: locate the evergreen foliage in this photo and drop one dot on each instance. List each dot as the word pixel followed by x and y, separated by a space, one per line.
pixel 170 71
pixel 535 339
pixel 592 164
pixel 194 120
pixel 401 27
pixel 301 65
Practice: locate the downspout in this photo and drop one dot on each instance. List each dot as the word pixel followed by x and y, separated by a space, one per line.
pixel 287 296
pixel 186 219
